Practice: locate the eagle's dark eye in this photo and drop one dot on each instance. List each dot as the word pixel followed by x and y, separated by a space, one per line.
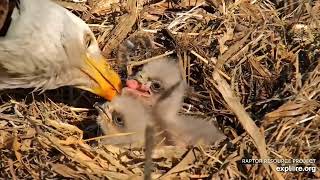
pixel 156 86
pixel 118 119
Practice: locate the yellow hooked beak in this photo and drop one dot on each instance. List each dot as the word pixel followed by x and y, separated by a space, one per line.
pixel 108 81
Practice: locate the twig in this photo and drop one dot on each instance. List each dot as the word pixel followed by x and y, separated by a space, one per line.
pixel 13 174
pixel 149 144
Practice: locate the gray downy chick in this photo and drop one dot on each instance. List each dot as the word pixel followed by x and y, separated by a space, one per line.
pixel 126 114
pixel 152 86
pixel 155 78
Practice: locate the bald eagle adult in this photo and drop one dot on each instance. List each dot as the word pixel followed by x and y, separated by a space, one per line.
pixel 44 46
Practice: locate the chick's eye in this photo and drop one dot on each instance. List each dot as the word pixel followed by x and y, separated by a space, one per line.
pixel 118 119
pixel 156 86
pixel 88 40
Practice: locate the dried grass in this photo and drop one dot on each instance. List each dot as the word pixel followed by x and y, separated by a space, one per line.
pixel 252 65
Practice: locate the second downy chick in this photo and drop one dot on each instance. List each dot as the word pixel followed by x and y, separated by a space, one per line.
pixel 124 114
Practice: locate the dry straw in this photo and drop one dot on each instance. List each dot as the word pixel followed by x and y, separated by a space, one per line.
pixel 251 65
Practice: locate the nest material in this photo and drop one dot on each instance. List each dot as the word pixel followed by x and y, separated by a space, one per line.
pixel 251 65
